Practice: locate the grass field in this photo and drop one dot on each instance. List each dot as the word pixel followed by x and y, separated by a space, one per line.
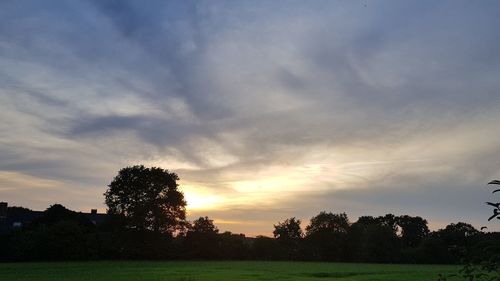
pixel 216 271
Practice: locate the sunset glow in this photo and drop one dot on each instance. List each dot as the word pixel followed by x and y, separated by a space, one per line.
pixel 199 201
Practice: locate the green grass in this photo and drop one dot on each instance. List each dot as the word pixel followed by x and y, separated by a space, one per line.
pixel 217 271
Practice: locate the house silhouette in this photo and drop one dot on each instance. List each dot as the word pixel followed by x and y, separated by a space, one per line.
pixel 12 218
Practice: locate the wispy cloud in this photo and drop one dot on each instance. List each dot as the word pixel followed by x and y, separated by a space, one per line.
pixel 265 109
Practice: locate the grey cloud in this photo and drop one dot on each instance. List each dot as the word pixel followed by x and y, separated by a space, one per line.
pixel 264 81
pixel 437 57
pixel 157 131
pixel 174 35
pixel 100 125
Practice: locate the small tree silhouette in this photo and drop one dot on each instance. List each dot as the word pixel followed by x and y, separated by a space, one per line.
pixel 496 205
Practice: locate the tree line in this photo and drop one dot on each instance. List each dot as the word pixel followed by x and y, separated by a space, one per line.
pixel 147 220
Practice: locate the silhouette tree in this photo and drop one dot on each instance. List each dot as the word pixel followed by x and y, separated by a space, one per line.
pixel 288 235
pixel 204 225
pixel 288 230
pixel 455 233
pixel 265 248
pixel 389 220
pixel 413 230
pixel 57 213
pixel 327 235
pixel 367 220
pixel 148 199
pixel 233 246
pixel 449 245
pixel 335 223
pixel 373 240
pixel 202 239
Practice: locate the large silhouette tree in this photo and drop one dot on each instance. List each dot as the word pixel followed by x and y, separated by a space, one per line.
pixel 148 199
pixel 327 235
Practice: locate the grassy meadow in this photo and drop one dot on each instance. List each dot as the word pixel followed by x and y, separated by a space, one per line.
pixel 217 271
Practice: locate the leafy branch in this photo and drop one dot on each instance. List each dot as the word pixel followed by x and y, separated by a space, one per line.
pixel 496 210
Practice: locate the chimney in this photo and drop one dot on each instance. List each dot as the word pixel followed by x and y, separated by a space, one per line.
pixel 93 212
pixel 3 210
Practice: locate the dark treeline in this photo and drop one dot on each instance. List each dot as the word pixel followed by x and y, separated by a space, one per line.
pixel 62 234
pixel 146 219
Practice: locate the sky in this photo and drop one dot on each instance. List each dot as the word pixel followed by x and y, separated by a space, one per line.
pixel 265 109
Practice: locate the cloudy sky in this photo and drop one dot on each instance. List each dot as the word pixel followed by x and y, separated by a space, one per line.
pixel 265 109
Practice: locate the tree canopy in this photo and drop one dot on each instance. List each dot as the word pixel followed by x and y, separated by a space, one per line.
pixel 57 212
pixel 413 229
pixel 327 235
pixel 288 230
pixel 148 199
pixel 204 225
pixel 328 222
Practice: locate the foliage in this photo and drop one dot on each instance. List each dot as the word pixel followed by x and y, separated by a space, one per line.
pixel 373 241
pixel 148 198
pixel 413 229
pixel 288 230
pixel 204 225
pixel 327 235
pixel 496 205
pixel 333 223
pixel 234 246
pixel 61 234
pixel 484 271
pixel 201 241
pixel 57 213
pixel 265 248
pixel 486 264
